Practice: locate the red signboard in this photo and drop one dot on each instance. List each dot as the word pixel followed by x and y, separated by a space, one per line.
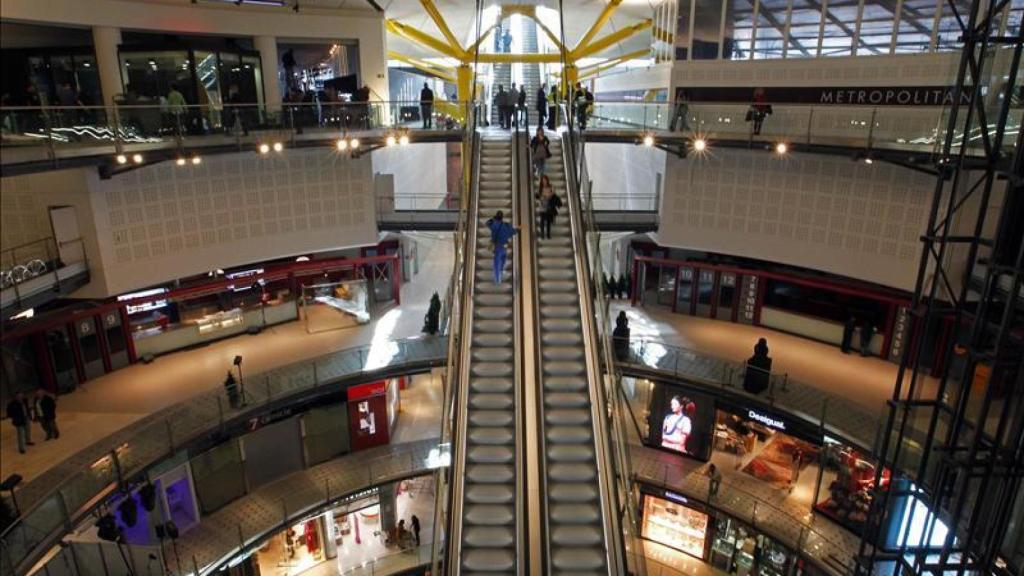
pixel 367 390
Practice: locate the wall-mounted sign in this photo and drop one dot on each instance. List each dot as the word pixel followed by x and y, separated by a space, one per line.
pixel 145 306
pixel 367 390
pixel 767 420
pixel 748 300
pixel 900 330
pixel 835 96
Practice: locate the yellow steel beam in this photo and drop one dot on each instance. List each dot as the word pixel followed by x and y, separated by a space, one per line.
pixel 424 39
pixel 524 58
pixel 435 15
pixel 446 74
pixel 471 49
pixel 528 10
pixel 604 65
pixel 610 39
pixel 551 36
pixel 663 35
pixel 602 19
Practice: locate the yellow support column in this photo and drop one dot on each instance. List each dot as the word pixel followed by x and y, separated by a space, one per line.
pixel 570 75
pixel 464 92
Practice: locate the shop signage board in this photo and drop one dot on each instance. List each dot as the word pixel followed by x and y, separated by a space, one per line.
pixel 367 390
pixel 748 300
pixel 834 95
pixel 781 422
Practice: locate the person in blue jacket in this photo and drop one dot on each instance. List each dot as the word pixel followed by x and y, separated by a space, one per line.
pixel 501 233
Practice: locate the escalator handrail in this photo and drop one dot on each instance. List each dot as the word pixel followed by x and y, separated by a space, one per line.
pixel 614 546
pixel 522 547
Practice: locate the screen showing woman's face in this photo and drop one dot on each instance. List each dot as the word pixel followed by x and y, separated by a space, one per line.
pixel 676 406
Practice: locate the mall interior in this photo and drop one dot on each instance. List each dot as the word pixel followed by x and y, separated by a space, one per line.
pixel 573 287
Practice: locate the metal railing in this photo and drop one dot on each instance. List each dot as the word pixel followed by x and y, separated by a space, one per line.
pixel 41 261
pixel 52 503
pixel 54 132
pixel 909 128
pixel 833 413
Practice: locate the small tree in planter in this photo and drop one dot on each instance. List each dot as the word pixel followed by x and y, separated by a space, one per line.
pixel 432 321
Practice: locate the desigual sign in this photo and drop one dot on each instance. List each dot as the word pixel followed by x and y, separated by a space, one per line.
pixel 766 420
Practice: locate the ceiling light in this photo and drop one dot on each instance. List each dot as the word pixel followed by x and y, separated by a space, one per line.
pixel 403 139
pixel 354 143
pixel 180 161
pixel 868 160
pixel 341 144
pixel 137 158
pixel 121 159
pixel 390 141
pixel 278 146
pixel 648 140
pixel 264 148
pixel 196 160
pixel 781 148
pixel 700 144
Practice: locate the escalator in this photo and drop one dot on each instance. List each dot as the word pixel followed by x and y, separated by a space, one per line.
pixel 490 490
pixel 576 542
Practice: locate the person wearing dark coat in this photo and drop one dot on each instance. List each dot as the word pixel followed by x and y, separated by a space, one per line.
pixel 17 411
pixel 427 106
pixel 542 105
pixel 521 106
pixel 46 412
pixel 848 329
pixel 867 332
pixel 416 528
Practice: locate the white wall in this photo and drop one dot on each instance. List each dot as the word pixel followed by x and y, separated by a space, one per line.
pixel 163 221
pixel 821 212
pixel 624 170
pixel 418 169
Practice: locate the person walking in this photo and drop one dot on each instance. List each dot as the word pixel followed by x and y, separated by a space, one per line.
pixel 715 481
pixel 46 412
pixel 501 233
pixel 512 100
pixel 17 411
pixel 848 329
pixel 542 105
pixel 499 104
pixel 540 151
pixel 427 106
pixel 579 103
pixel 867 332
pixel 796 465
pixel 521 112
pixel 176 107
pixel 550 203
pixel 758 110
pixel 682 110
pixel 416 528
pixel 497 38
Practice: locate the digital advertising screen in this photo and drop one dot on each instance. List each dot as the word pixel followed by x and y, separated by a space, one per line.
pixel 681 421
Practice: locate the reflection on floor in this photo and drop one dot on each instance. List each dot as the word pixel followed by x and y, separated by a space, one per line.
pixel 111 402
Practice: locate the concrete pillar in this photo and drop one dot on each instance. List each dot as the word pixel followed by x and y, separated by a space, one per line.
pixel 105 41
pixel 267 47
pixel 373 64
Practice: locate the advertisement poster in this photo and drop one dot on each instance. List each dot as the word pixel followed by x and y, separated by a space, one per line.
pixel 681 421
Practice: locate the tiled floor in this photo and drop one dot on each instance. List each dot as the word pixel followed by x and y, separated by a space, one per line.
pixel 106 404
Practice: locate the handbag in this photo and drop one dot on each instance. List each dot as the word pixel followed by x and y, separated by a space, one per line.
pixel 749 116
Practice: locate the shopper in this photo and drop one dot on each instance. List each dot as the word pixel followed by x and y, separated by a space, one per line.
pixel 506 42
pixel 540 151
pixel 500 101
pixel 521 113
pixel 497 38
pixel 427 106
pixel 579 102
pixel 550 202
pixel 416 528
pixel 867 332
pixel 501 234
pixel 176 107
pixel 620 335
pixel 797 464
pixel 679 115
pixel 17 411
pixel 715 481
pixel 46 412
pixel 553 107
pixel 758 110
pixel 848 329
pixel 542 105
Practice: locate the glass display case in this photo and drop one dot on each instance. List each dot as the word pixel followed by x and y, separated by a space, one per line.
pixel 675 525
pixel 219 321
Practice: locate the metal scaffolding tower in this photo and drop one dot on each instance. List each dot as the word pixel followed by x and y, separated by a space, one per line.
pixel 954 437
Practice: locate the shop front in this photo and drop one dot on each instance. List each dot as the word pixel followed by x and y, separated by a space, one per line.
pixel 738 549
pixel 372 413
pixel 675 521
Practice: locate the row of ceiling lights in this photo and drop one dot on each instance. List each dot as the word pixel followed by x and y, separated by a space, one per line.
pixel 701 144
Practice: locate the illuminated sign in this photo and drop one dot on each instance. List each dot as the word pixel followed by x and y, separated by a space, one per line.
pixel 766 420
pixel 145 306
pixel 244 274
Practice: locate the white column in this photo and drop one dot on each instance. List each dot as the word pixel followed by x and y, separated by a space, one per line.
pixel 267 47
pixel 373 60
pixel 105 41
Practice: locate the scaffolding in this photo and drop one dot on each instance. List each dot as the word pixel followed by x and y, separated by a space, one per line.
pixel 954 437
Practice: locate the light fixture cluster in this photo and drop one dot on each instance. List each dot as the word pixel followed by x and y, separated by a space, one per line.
pixel 343 144
pixel 124 158
pixel 397 139
pixel 266 147
pixel 195 160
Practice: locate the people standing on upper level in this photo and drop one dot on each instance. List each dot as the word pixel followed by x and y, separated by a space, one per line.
pixel 506 42
pixel 553 107
pixel 497 38
pixel 521 106
pixel 499 104
pixel 579 103
pixel 18 413
pixel 758 110
pixel 427 105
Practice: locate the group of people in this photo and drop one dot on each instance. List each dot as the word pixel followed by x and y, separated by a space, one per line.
pixel 22 412
pixel 403 536
pixel 511 105
pixel 756 114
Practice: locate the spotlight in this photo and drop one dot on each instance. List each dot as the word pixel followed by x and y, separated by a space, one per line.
pixel 354 143
pixel 264 148
pixel 781 148
pixel 699 145
pixel 648 140
pixel 180 161
pixel 868 160
pixel 121 159
pixel 403 139
pixel 341 144
pixel 278 146
pixel 196 160
pixel 137 158
pixel 390 141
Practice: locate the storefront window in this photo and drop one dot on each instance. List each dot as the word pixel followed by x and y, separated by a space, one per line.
pixel 670 522
pixel 847 486
pixel 149 76
pixel 740 550
pixel 684 296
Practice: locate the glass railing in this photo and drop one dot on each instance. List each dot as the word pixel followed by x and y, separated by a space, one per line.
pixel 36 267
pixel 834 414
pixel 454 304
pixel 624 497
pixel 30 134
pixel 832 550
pixel 909 128
pixel 53 502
